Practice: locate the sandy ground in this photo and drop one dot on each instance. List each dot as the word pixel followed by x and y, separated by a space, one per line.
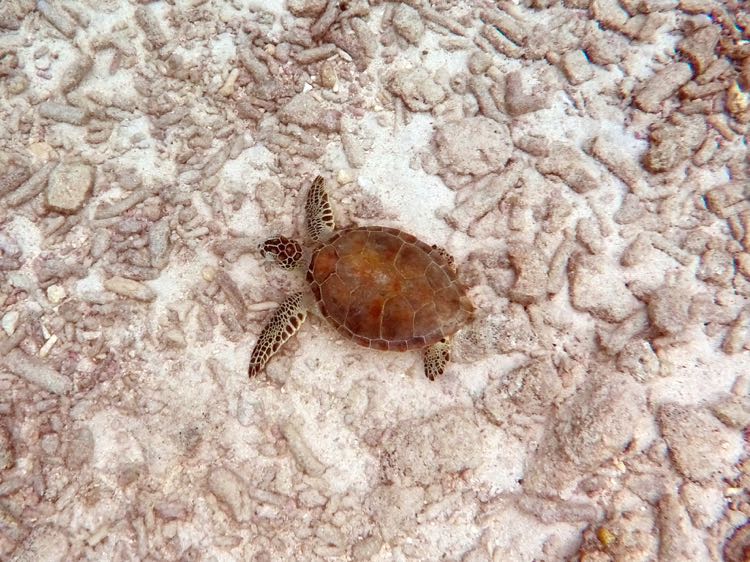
pixel 584 161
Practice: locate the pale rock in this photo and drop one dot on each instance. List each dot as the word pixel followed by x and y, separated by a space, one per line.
pixel 639 360
pixel 717 267
pixel 609 13
pixel 306 8
pixel 572 167
pixel 408 23
pixel 10 321
pixel 734 411
pixel 674 142
pixel 418 90
pixel 55 293
pixel 634 531
pixel 7 456
pixel 415 452
pixel 305 110
pixel 576 66
pixel 702 448
pixel 668 310
pixel 704 504
pixel 175 338
pixel 159 242
pixel 508 332
pixel 662 85
pixel 80 449
pixel 677 537
pixel 229 488
pixel 475 145
pixel 531 273
pixel 599 290
pixel 395 508
pixel 526 93
pixel 69 186
pixel 45 544
pixel 129 288
pixel 36 372
pixel 596 424
pixel 534 387
pixel 631 209
pixel 700 47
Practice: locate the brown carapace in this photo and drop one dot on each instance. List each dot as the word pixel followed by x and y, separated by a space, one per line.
pixel 382 288
pixel 379 287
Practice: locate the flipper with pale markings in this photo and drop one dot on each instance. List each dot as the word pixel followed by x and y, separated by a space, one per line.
pixel 320 221
pixel 436 358
pixel 283 324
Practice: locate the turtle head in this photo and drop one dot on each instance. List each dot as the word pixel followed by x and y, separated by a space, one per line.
pixel 285 251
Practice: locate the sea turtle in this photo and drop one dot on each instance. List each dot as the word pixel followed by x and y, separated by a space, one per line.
pixel 379 287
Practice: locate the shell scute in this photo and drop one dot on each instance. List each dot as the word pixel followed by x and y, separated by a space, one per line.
pixel 336 296
pixel 447 301
pixel 411 262
pixel 349 269
pixel 324 265
pixel 400 345
pixel 406 237
pixel 398 319
pixel 382 247
pixel 437 277
pixel 379 344
pixel 419 292
pixel 365 311
pixel 352 244
pixel 426 319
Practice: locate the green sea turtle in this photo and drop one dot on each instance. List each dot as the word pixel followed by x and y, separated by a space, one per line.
pixel 379 287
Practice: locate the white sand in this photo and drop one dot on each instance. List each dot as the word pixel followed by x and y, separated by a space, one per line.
pixel 596 409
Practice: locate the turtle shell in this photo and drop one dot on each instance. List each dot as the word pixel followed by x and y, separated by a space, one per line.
pixel 382 288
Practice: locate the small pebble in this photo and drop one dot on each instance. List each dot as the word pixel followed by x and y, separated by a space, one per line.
pixel 344 176
pixel 55 293
pixel 175 338
pixel 408 23
pixel 17 84
pixel 41 150
pixel 45 349
pixel 69 186
pixel 10 322
pixel 328 77
pixel 129 288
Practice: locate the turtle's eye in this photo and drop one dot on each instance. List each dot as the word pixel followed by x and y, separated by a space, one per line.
pixel 286 252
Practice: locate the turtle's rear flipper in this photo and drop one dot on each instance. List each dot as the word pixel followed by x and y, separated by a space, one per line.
pixel 436 357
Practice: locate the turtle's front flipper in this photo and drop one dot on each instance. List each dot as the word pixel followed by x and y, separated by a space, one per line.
pixel 284 323
pixel 320 223
pixel 436 357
